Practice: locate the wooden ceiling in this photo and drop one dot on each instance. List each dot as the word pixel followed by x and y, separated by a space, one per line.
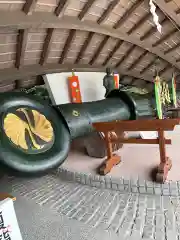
pixel 45 36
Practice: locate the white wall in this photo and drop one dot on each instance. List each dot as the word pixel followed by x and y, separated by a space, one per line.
pixel 91 86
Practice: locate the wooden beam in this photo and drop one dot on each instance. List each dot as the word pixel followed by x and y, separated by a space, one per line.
pixel 139 23
pixel 41 20
pixel 126 55
pixel 67 45
pixel 172 49
pixel 137 60
pixel 98 51
pixel 126 15
pixel 148 66
pixel 46 45
pixel 110 55
pixel 61 6
pixel 107 11
pixel 85 9
pixel 29 6
pixel 177 11
pixel 169 11
pixel 178 60
pixel 167 66
pixel 165 37
pixel 9 74
pixel 153 30
pixel 84 47
pixel 21 47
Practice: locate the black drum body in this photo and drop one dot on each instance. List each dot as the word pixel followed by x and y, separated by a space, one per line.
pixel 35 137
pixel 42 155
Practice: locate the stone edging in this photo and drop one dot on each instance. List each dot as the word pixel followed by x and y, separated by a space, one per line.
pixel 169 188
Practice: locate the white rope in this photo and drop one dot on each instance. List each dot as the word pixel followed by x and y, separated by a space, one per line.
pixel 155 16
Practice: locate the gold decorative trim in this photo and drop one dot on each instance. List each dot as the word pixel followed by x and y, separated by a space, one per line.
pixel 15 128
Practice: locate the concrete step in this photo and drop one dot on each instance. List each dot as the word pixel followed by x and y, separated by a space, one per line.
pixel 129 215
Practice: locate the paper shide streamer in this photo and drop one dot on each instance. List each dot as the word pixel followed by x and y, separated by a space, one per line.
pixel 155 16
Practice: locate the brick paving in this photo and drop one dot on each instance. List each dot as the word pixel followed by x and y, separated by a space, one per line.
pixel 130 215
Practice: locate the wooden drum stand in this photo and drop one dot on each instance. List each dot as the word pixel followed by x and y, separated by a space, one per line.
pixel 138 125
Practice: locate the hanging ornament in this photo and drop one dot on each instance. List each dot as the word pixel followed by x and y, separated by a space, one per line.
pixel 174 97
pixel 155 16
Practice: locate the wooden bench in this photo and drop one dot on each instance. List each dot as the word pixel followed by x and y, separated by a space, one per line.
pixel 138 125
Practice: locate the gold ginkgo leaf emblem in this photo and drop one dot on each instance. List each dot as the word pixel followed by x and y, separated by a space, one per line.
pixel 16 129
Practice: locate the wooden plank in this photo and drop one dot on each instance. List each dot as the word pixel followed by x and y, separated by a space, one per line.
pixel 37 69
pixel 46 45
pixel 84 47
pixel 153 29
pixel 139 141
pixel 107 11
pixel 149 65
pixel 139 23
pixel 125 56
pixel 137 125
pixel 167 67
pixel 41 20
pixel 172 49
pixel 61 6
pixel 137 61
pixel 86 8
pixel 29 6
pixel 67 45
pixel 165 37
pixel 128 13
pixel 99 49
pixel 21 47
pixel 110 55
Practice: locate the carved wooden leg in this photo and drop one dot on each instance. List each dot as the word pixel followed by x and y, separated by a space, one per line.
pixel 109 164
pixel 163 169
pixel 165 163
pixel 111 160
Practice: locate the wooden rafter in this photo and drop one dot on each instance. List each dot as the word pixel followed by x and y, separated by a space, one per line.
pixel 85 9
pixel 29 6
pixel 126 15
pixel 21 47
pixel 153 30
pixel 149 65
pixel 139 23
pixel 172 49
pixel 165 37
pixel 135 63
pixel 98 51
pixel 84 47
pixel 165 68
pixel 8 74
pixel 107 11
pixel 67 45
pixel 61 6
pixel 110 55
pixel 43 20
pixel 125 56
pixel 46 45
pixel 169 11
pixel 177 11
pixel 178 60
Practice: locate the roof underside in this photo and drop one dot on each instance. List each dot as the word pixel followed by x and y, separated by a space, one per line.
pixel 45 36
